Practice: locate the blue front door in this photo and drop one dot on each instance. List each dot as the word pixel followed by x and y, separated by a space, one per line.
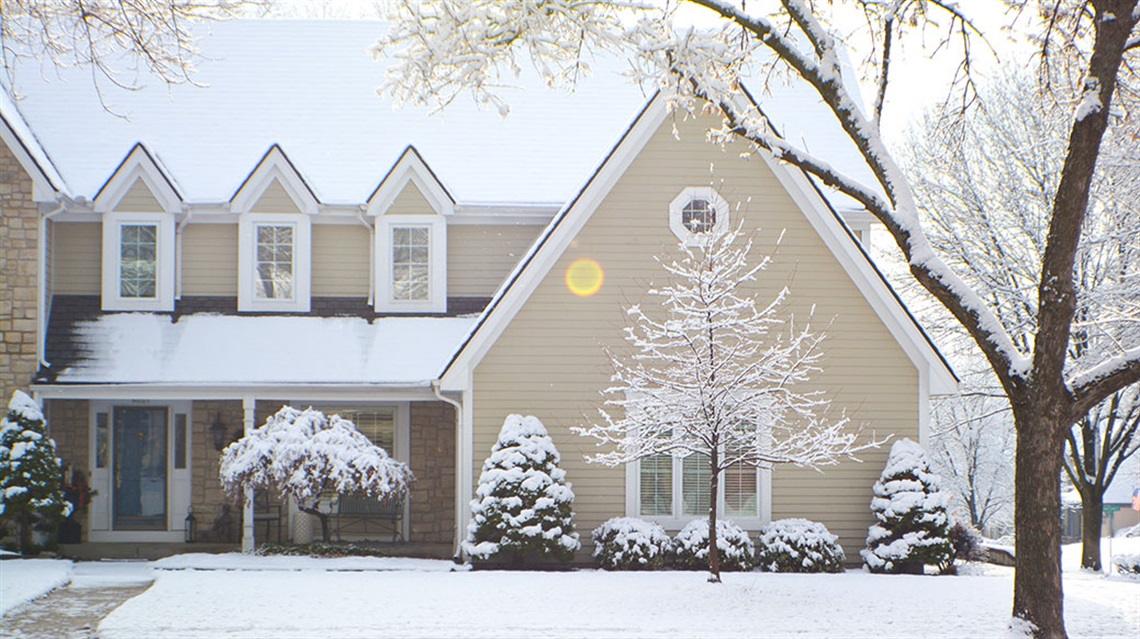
pixel 140 468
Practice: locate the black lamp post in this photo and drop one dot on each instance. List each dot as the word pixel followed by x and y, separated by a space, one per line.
pixel 218 430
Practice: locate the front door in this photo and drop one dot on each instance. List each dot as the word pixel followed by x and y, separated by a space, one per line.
pixel 139 468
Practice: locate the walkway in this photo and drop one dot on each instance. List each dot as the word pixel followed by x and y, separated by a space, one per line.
pixel 74 612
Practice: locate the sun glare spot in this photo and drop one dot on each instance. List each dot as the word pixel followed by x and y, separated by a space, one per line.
pixel 584 277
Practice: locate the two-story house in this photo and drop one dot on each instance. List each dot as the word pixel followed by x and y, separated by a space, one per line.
pixel 179 263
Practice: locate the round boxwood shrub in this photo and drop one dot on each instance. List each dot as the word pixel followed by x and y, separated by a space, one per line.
pixel 690 548
pixel 628 543
pixel 798 545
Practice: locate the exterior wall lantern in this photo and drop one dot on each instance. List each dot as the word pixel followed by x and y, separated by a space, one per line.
pixel 218 431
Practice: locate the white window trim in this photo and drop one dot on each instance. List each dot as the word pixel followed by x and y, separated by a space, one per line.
pixel 247 262
pixel 677 521
pixel 164 278
pixel 437 286
pixel 688 194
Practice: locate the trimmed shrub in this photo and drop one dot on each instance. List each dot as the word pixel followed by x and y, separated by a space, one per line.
pixel 690 548
pixel 910 508
pixel 798 545
pixel 628 543
pixel 521 515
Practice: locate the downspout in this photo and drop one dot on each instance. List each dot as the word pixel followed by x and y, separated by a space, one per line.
pixel 459 497
pixel 371 259
pixel 178 253
pixel 42 303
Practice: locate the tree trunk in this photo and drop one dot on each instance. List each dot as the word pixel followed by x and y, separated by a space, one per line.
pixel 1037 594
pixel 323 517
pixel 1091 517
pixel 714 556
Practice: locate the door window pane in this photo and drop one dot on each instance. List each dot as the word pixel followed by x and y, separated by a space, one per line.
pixel 180 441
pixel 657 486
pixel 411 263
pixel 102 439
pixel 138 260
pixel 274 262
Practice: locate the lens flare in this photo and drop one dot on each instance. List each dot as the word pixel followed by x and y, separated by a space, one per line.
pixel 584 277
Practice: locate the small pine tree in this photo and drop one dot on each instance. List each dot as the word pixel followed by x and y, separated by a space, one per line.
pixel 913 528
pixel 30 473
pixel 522 510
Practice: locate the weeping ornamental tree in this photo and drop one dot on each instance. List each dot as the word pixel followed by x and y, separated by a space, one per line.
pixel 711 372
pixel 300 454
pixel 699 68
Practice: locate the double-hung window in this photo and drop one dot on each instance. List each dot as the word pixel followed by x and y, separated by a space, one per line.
pixel 138 262
pixel 674 490
pixel 411 263
pixel 274 262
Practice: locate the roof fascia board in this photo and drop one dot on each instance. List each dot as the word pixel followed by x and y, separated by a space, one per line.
pixel 43 188
pixel 411 167
pixel 533 268
pixel 890 310
pixel 138 164
pixel 275 165
pixel 283 392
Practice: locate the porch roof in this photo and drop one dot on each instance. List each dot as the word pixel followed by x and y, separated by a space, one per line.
pixel 223 350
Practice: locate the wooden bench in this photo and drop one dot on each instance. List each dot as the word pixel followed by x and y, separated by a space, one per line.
pixel 363 511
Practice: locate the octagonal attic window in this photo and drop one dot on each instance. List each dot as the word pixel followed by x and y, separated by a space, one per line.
pixel 696 211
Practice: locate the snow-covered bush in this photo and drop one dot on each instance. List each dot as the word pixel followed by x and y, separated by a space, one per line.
pixel 967 542
pixel 913 525
pixel 522 513
pixel 798 545
pixel 628 543
pixel 690 548
pixel 1127 564
pixel 1131 531
pixel 301 454
pixel 30 473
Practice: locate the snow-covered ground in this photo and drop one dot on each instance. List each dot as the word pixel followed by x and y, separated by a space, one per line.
pixel 22 580
pixel 301 597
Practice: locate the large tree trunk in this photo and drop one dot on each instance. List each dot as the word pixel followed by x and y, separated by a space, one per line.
pixel 714 555
pixel 1091 507
pixel 1037 593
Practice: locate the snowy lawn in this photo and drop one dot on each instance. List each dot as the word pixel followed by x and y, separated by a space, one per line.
pixel 22 580
pixel 284 597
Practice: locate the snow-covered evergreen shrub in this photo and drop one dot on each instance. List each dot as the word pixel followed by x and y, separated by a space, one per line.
pixel 913 525
pixel 690 548
pixel 798 545
pixel 30 473
pixel 522 510
pixel 628 543
pixel 1127 564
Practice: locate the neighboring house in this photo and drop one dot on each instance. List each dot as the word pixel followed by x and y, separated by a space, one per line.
pixel 277 237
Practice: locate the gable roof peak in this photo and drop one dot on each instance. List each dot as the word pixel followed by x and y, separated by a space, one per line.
pixel 410 167
pixel 139 164
pixel 275 165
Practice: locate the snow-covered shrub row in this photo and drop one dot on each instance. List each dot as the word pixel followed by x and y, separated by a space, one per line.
pixel 522 510
pixel 1127 564
pixel 798 545
pixel 690 548
pixel 628 543
pixel 913 525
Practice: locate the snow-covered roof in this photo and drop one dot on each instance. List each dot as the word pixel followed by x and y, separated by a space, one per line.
pixel 23 140
pixel 310 87
pixel 264 350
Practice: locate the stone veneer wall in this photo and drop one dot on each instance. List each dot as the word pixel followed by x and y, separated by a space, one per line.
pixel 69 423
pixel 432 451
pixel 206 494
pixel 19 264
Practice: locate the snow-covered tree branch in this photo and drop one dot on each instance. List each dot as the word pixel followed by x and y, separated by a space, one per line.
pixel 711 372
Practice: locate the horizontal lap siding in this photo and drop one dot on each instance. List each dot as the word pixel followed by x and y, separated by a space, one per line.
pixel 479 258
pixel 410 202
pixel 275 199
pixel 139 199
pixel 340 260
pixel 77 262
pixel 549 361
pixel 210 259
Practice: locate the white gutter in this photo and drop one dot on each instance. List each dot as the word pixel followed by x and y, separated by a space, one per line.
pixel 371 254
pixel 41 286
pixel 459 481
pixel 178 253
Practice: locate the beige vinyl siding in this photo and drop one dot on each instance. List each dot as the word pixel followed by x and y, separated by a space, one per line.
pixel 77 258
pixel 340 260
pixel 549 361
pixel 275 199
pixel 210 259
pixel 480 257
pixel 139 199
pixel 410 202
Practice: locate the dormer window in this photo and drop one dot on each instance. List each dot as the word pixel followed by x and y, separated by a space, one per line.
pixel 274 261
pixel 411 265
pixel 138 262
pixel 697 211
